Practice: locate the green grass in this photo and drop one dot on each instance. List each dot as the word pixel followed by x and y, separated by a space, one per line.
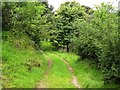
pixel 18 55
pixel 89 76
pixel 18 68
pixel 58 76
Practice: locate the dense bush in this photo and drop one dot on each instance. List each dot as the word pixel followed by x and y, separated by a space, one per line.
pixel 109 42
pixel 110 63
pixel 99 40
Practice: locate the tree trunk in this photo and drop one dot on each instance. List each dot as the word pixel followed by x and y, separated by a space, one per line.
pixel 67 47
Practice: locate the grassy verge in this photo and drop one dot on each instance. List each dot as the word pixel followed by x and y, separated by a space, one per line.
pixel 22 65
pixel 88 75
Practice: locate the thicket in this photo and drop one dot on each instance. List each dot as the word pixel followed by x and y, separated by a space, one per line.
pixel 99 41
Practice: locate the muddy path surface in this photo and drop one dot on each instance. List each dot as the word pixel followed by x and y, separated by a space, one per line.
pixel 43 83
pixel 46 81
pixel 74 79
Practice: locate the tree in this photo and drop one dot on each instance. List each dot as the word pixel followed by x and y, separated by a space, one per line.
pixel 7 9
pixel 65 17
pixel 88 10
pixel 31 18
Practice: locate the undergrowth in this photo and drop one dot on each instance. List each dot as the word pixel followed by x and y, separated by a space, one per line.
pixel 22 65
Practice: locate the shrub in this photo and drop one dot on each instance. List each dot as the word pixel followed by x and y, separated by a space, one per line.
pixel 99 40
pixel 47 46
